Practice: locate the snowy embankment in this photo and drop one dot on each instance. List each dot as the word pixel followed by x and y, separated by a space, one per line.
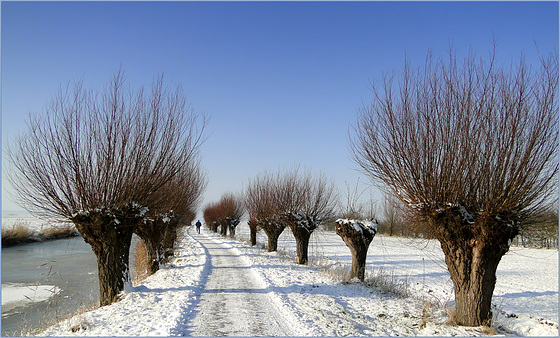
pixel 316 303
pixel 21 228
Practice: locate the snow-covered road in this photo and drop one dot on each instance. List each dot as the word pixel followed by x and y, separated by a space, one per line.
pixel 234 301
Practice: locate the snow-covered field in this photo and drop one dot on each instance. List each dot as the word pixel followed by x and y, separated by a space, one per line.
pixel 315 302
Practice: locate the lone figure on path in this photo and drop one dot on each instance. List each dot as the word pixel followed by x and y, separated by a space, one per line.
pixel 198 225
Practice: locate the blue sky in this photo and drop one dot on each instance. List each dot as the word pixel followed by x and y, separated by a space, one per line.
pixel 281 81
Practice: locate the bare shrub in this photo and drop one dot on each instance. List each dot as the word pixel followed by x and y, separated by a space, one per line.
pixel 17 234
pixel 142 262
pixel 58 232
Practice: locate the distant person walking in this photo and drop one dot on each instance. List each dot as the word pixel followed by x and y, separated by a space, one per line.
pixel 198 225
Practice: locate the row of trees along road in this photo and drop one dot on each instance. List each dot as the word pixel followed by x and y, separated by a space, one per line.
pixel 472 152
pixel 224 214
pixel 290 198
pixel 114 163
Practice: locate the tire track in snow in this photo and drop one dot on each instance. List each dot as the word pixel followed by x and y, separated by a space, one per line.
pixel 232 300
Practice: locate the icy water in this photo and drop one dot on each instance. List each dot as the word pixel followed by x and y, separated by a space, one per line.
pixel 68 264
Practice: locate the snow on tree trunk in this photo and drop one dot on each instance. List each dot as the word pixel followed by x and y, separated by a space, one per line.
pixel 109 233
pixel 472 259
pixel 357 235
pixel 302 227
pixel 232 224
pixel 152 232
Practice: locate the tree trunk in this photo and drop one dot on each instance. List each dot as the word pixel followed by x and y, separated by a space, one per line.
pixel 253 237
pixel 273 241
pixel 358 242
pixel 152 233
pixel 253 229
pixel 223 228
pixel 273 232
pixel 110 240
pixel 113 268
pixel 359 257
pixel 302 245
pixel 359 250
pixel 168 243
pixel 153 254
pixel 472 257
pixel 112 252
pixel 472 267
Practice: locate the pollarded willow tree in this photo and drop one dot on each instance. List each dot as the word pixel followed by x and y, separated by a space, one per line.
pixel 179 199
pixel 189 190
pixel 357 235
pixel 99 159
pixel 305 201
pixel 472 150
pixel 225 213
pixel 261 202
pixel 301 201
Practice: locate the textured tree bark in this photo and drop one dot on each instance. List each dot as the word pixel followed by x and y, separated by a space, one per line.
pixel 253 227
pixel 152 233
pixel 473 272
pixel 153 256
pixel 302 245
pixel 273 231
pixel 113 268
pixel 109 233
pixel 253 237
pixel 112 252
pixel 169 239
pixel 472 257
pixel 302 227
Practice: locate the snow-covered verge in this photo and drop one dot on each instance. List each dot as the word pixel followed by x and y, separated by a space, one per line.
pixel 316 303
pixel 156 307
pixel 525 299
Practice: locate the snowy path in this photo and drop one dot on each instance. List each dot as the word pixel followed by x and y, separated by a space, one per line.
pixel 233 301
pixel 217 286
